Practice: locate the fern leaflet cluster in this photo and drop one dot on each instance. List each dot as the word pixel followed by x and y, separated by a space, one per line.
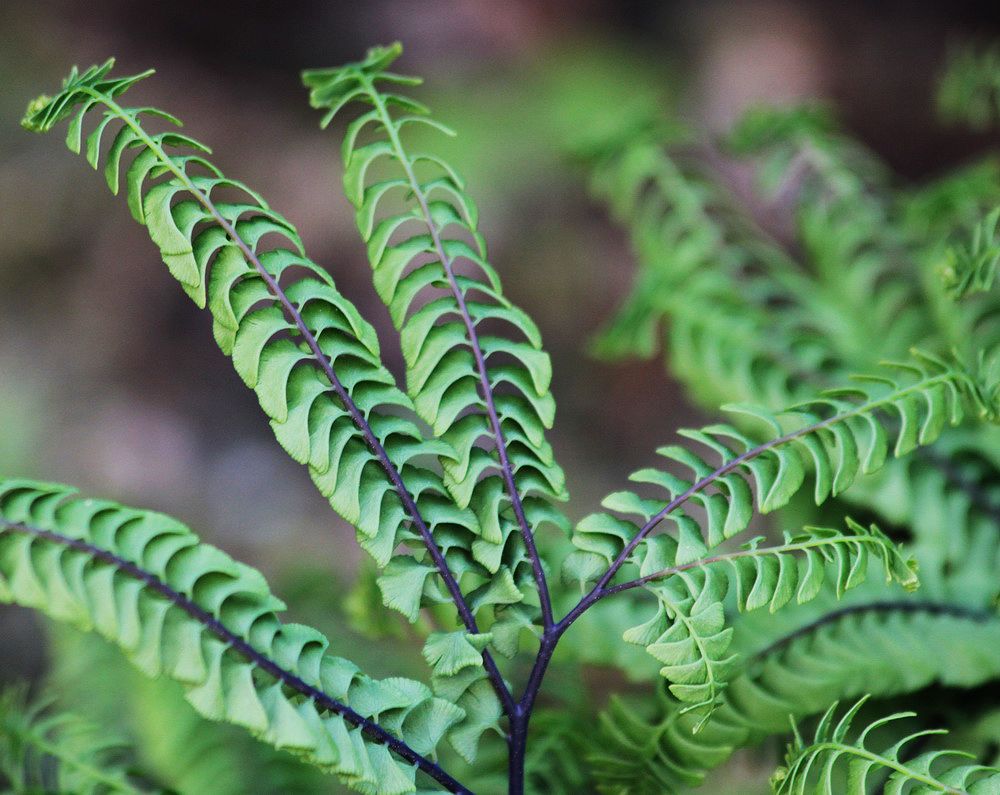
pixel 832 761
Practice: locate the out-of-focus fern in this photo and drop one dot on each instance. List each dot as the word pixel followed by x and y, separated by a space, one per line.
pixel 972 267
pixel 969 88
pixel 178 746
pixel 46 751
pixel 860 292
pixel 834 762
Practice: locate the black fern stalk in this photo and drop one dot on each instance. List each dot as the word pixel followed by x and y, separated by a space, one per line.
pixel 453 488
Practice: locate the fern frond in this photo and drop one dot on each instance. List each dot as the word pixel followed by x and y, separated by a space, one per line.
pixel 844 433
pixel 485 394
pixel 969 87
pixel 841 435
pixel 180 748
pixel 688 633
pixel 692 240
pixel 971 267
pixel 802 149
pixel 42 750
pixel 834 762
pixel 312 360
pixel 948 498
pixel 184 610
pixel 795 663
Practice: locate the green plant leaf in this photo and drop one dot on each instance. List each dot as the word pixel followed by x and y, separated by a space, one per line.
pixel 184 610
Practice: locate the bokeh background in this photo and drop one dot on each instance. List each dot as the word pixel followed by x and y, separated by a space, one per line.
pixel 109 378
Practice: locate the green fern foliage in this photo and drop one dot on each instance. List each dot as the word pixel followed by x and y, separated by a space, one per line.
pixel 972 267
pixel 184 610
pixel 840 436
pixel 969 88
pixel 688 633
pixel 834 762
pixel 475 367
pixel 45 751
pixel 315 366
pixel 310 357
pixel 795 663
pixel 178 747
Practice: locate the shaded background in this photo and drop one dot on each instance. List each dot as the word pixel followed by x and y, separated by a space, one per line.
pixel 109 378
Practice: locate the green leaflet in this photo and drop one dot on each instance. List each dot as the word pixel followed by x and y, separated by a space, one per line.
pixel 42 747
pixel 486 396
pixel 834 762
pixel 972 267
pixel 184 610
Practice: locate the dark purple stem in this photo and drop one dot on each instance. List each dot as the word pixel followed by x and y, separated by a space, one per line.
pixel 933 608
pixel 372 730
pixel 468 619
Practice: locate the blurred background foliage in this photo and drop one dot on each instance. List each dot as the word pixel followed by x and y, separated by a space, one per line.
pixel 108 375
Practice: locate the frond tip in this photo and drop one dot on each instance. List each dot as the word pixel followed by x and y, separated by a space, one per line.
pixel 689 632
pixel 834 762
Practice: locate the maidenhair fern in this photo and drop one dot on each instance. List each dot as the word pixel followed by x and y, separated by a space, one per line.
pixel 835 762
pixel 42 750
pixel 849 378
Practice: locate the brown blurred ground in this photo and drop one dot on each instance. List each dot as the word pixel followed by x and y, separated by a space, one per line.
pixel 109 378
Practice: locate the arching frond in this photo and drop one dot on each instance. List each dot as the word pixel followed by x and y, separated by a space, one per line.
pixel 179 747
pixel 43 750
pixel 184 610
pixel 313 361
pixel 729 288
pixel 689 632
pixel 796 663
pixel 840 436
pixel 839 759
pixel 314 364
pixel 476 370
